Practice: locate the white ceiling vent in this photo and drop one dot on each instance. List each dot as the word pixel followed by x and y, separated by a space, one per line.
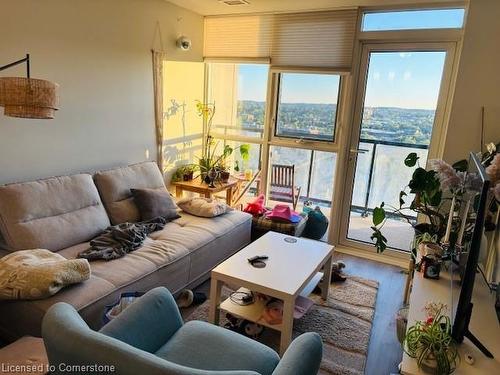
pixel 234 2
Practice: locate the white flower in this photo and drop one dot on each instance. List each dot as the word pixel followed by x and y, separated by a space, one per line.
pixel 491 148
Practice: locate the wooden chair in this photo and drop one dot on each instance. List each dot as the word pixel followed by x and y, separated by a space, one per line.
pixel 282 186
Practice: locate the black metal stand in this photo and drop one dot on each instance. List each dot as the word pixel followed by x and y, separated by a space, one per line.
pixel 25 60
pixel 467 333
pixel 478 344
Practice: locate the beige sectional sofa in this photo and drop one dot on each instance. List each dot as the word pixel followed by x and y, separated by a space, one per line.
pixel 63 213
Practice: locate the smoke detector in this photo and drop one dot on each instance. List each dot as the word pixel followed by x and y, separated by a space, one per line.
pixel 234 2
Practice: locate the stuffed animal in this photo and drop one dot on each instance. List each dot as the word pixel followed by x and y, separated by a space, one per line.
pixel 337 274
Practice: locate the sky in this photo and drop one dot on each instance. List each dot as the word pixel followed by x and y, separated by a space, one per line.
pixel 395 79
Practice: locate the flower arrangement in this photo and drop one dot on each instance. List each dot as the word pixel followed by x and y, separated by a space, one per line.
pixel 431 343
pixel 211 163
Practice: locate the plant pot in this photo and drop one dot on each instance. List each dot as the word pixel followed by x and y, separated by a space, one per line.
pixel 188 176
pixel 224 176
pixel 429 365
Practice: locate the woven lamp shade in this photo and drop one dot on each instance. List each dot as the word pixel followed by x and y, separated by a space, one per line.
pixel 28 97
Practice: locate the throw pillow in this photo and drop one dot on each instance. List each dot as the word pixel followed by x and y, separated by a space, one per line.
pixel 317 223
pixel 154 202
pixel 204 207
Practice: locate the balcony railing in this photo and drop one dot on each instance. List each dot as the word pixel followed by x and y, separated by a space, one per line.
pixel 380 171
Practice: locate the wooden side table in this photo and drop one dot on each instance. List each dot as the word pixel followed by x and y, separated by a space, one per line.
pixel 196 185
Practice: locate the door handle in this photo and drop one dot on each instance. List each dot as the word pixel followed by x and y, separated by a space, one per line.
pixel 359 151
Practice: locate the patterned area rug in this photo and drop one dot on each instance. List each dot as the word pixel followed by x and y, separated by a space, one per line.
pixel 344 323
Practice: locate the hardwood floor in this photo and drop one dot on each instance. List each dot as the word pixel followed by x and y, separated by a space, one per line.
pixel 384 350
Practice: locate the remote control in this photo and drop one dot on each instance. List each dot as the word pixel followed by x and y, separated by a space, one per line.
pixel 258 257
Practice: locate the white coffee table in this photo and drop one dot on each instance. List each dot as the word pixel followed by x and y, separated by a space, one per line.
pixel 292 270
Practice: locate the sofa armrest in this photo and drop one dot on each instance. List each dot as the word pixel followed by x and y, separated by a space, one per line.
pixel 148 323
pixel 303 356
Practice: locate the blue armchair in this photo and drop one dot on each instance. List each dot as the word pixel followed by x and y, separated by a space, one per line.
pixel 151 338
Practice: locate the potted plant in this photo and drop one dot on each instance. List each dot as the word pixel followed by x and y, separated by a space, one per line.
pixel 430 342
pixel 188 172
pixel 184 172
pixel 427 187
pixel 210 160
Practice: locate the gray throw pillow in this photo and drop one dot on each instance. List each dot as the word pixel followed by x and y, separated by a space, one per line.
pixel 154 202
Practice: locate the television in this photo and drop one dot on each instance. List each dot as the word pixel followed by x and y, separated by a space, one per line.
pixel 476 192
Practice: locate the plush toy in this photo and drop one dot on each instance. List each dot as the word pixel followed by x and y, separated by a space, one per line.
pixel 337 274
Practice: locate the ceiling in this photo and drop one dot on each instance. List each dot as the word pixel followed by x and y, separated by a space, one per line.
pixel 215 7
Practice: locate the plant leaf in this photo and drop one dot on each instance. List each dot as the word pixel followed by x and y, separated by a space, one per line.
pixel 245 151
pixel 380 240
pixel 378 215
pixel 411 159
pixel 401 201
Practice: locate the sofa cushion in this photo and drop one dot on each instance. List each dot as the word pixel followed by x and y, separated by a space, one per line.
pixel 204 346
pixel 154 202
pixel 114 186
pixel 203 207
pixel 51 214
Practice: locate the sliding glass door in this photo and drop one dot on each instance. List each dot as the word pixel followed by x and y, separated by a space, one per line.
pixel 399 110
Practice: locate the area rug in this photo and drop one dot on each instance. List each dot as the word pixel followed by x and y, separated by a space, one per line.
pixel 344 323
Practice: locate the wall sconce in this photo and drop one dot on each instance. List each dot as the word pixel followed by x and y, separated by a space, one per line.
pixel 184 43
pixel 28 97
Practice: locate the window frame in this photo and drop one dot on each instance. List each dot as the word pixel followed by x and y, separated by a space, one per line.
pixel 455 6
pixel 310 143
pixel 408 35
pixel 277 109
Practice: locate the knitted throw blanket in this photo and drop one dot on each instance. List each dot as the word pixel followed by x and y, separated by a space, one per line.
pixel 38 273
pixel 118 240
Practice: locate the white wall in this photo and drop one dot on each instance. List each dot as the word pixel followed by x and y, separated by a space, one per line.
pixel 478 83
pixel 99 52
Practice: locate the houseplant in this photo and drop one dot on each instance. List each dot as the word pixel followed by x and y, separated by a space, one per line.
pixel 426 187
pixel 184 173
pixel 430 342
pixel 210 160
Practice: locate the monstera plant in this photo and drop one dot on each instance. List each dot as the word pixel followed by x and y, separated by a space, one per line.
pixel 426 187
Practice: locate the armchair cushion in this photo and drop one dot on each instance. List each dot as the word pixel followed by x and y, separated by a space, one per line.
pixel 204 346
pixel 303 356
pixel 148 323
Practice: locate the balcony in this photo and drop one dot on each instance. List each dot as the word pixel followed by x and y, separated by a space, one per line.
pixel 380 175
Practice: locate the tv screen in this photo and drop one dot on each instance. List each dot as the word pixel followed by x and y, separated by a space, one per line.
pixel 473 205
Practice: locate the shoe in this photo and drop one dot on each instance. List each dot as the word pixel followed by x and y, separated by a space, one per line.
pixel 186 298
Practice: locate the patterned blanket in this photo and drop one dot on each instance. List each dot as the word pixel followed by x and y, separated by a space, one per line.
pixel 38 273
pixel 118 240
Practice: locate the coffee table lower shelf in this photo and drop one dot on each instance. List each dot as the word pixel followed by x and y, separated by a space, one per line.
pixel 254 311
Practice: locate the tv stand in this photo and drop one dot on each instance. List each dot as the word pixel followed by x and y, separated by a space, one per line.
pixel 483 322
pixel 478 344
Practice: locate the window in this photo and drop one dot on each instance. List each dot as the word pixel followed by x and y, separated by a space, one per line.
pixel 314 172
pixel 307 106
pixel 413 19
pixel 239 94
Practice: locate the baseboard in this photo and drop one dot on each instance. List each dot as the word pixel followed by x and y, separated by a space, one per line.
pixel 398 261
